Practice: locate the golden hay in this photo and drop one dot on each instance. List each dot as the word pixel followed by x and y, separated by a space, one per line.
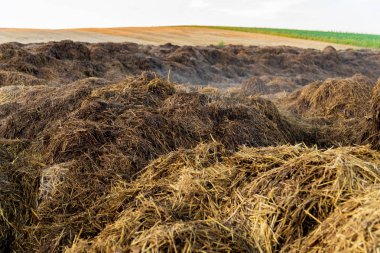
pixel 353 227
pixel 256 200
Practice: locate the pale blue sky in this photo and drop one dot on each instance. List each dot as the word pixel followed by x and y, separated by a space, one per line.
pixel 332 15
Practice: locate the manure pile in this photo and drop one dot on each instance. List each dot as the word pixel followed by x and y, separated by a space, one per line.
pixel 336 98
pixel 340 108
pixel 279 68
pixel 84 138
pixel 276 199
pixel 97 155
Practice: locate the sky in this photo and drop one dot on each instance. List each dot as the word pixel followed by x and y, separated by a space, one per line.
pixel 361 16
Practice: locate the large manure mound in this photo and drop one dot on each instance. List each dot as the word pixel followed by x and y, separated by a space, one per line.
pixel 91 134
pixel 98 155
pixel 280 68
pixel 338 108
pixel 342 98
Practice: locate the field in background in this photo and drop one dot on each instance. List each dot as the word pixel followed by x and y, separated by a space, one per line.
pixel 193 36
pixel 354 39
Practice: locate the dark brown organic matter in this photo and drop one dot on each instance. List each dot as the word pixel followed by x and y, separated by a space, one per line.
pixel 124 148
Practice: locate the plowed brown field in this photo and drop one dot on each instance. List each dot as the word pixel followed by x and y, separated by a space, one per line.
pixel 156 36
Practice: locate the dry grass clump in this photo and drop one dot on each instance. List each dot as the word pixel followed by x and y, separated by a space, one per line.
pixel 210 91
pixel 255 200
pixel 42 106
pixel 17 78
pixel 253 86
pixel 266 85
pixel 336 98
pixel 353 227
pixel 16 93
pixel 271 87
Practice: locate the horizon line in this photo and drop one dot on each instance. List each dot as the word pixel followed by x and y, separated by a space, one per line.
pixel 200 26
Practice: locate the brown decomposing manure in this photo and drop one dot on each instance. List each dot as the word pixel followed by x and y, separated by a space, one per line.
pixel 140 164
pixel 87 136
pixel 255 200
pixel 67 61
pixel 16 198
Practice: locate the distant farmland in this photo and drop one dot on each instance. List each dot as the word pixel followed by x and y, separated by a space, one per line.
pixel 177 35
pixel 354 39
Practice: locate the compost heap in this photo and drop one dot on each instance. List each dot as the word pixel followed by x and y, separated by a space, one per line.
pixel 334 97
pixel 140 164
pixel 83 138
pixel 338 107
pixel 281 68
